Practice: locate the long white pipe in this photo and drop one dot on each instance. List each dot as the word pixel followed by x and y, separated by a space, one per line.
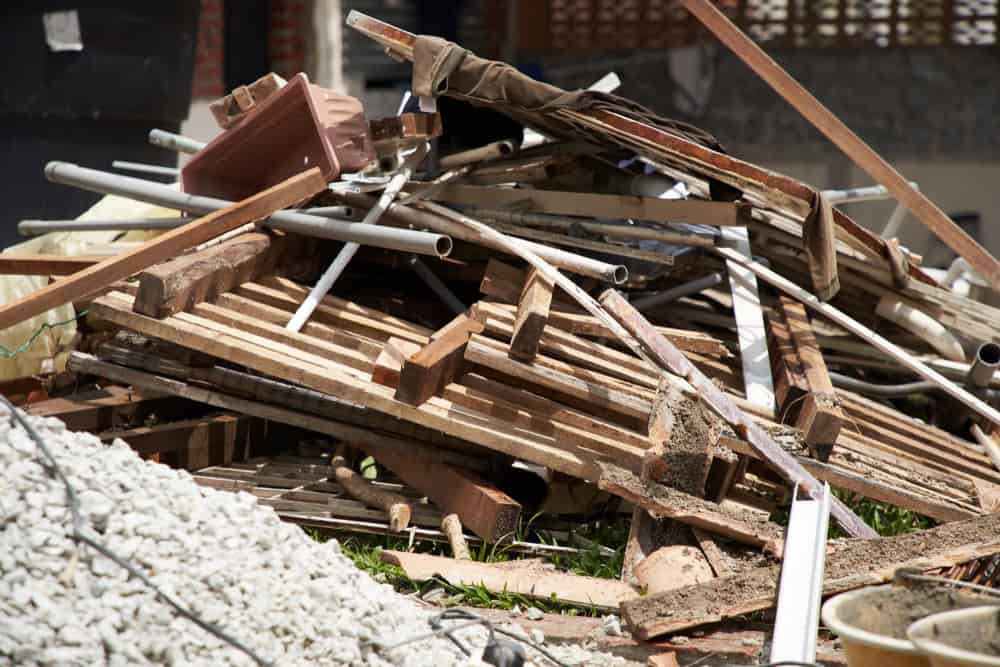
pixel 343 258
pixel 921 325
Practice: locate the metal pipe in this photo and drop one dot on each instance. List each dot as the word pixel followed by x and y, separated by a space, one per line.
pixel 37 227
pixel 984 364
pixel 494 151
pixel 452 223
pixel 404 240
pixel 854 195
pixel 881 390
pixel 437 286
pixel 678 292
pixel 545 220
pixel 175 142
pixel 145 168
pixel 921 325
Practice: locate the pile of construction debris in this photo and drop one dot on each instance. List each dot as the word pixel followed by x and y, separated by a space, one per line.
pixel 608 315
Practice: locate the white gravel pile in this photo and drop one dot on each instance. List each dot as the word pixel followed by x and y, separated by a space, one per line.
pixel 292 600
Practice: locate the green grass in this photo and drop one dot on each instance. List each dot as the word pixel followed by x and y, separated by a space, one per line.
pixel 593 561
pixel 364 551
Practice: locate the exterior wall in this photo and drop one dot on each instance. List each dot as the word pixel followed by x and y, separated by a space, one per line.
pixel 933 113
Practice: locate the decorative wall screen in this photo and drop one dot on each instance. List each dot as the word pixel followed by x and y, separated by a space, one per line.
pixel 587 25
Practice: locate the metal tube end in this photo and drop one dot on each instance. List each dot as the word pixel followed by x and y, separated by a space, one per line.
pixel 620 275
pixel 52 170
pixel 443 246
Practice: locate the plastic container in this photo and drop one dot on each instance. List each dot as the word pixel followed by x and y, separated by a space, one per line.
pixel 299 127
pixel 959 638
pixel 872 622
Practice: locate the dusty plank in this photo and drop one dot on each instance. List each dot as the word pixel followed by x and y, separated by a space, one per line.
pixel 532 314
pixel 525 578
pixel 181 282
pixel 852 564
pixel 436 365
pixel 165 246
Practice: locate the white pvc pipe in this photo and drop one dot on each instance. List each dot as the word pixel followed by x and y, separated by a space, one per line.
pixel 343 258
pixel 921 325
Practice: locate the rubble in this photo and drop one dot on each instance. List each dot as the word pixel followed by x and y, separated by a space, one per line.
pixel 612 318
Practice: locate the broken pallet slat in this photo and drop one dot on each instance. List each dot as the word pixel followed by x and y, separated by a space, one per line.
pixel 520 577
pixel 855 564
pixel 532 314
pixel 181 282
pixel 165 246
pixel 194 443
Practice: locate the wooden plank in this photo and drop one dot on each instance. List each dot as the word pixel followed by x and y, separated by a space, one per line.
pixel 820 417
pixel 332 311
pixel 45 265
pixel 602 399
pixel 436 414
pixel 790 384
pixel 194 443
pixel 518 577
pixel 179 283
pixel 502 281
pixel 101 409
pixel 484 509
pixel 165 246
pixel 436 365
pixel 532 314
pixel 856 563
pixel 712 552
pixel 587 204
pixel 851 144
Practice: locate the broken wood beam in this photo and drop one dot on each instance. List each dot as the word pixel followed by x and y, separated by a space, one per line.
pixel 532 314
pixel 181 282
pixel 820 417
pixel 670 359
pixel 437 364
pixel 163 247
pixel 850 143
pixel 396 506
pixel 855 564
pixel 484 509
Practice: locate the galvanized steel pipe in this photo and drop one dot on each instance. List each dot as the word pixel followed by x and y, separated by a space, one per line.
pixel 404 240
pixel 175 142
pixel 984 365
pixel 438 221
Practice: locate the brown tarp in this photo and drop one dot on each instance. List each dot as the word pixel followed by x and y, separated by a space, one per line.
pixel 440 66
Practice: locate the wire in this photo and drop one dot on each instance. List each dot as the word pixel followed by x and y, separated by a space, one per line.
pixel 471 620
pixel 6 353
pixel 79 535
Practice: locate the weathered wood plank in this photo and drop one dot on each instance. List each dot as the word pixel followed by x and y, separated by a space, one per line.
pixel 532 314
pixel 437 364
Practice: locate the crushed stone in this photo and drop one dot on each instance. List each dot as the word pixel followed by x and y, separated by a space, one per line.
pixel 230 560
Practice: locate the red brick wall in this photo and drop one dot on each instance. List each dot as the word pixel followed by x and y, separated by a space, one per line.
pixel 207 81
pixel 290 24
